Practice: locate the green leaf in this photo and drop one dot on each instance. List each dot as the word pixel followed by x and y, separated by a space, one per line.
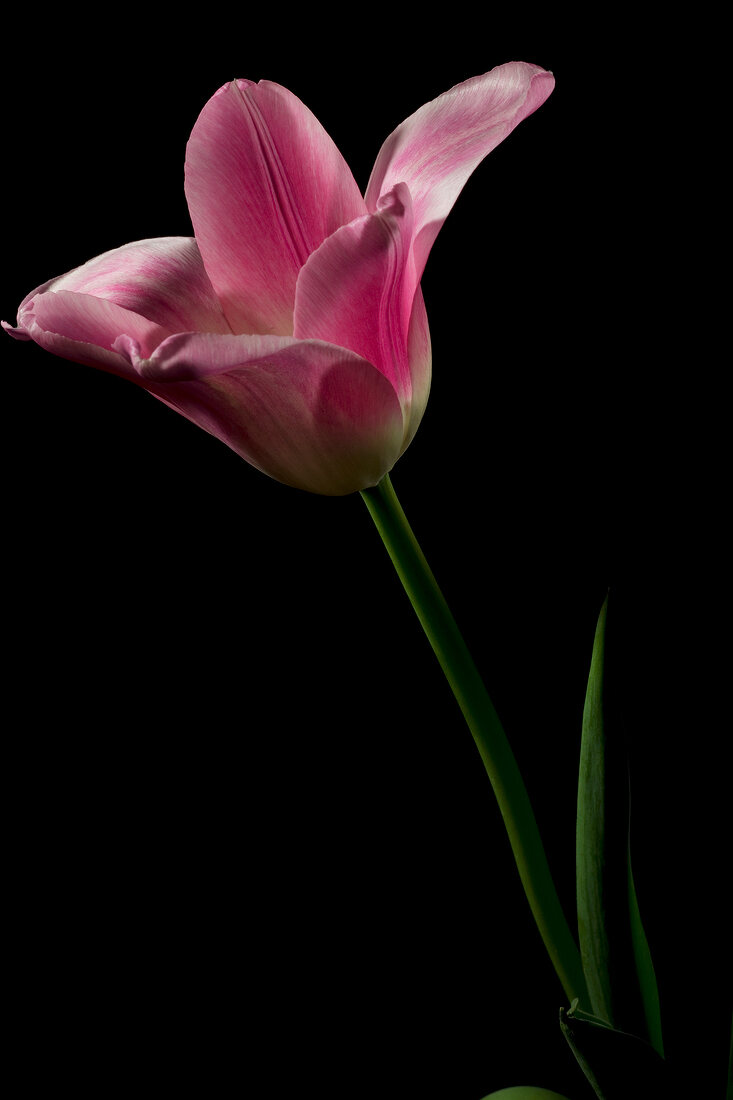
pixel 617 1065
pixel 613 946
pixel 524 1092
pixel 645 970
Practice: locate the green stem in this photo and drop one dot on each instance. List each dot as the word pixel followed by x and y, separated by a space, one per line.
pixel 478 710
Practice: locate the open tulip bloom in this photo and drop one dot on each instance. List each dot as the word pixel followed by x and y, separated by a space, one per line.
pixel 292 327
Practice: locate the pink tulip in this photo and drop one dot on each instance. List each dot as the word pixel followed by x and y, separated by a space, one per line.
pixel 292 325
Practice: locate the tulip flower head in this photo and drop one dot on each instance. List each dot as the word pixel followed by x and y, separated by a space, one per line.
pixel 291 325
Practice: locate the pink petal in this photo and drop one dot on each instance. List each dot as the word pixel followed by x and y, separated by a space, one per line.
pixel 146 289
pixel 309 414
pixel 358 290
pixel 265 186
pixel 437 148
pixel 163 279
pixel 83 328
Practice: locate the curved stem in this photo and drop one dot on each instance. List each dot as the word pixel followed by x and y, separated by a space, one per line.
pixel 465 681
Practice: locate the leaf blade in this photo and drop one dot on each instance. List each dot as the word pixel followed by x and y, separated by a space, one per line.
pixel 613 945
pixel 645 970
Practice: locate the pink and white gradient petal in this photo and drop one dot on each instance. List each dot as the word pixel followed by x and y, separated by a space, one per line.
pixel 265 186
pixel 146 290
pixel 436 149
pixel 162 279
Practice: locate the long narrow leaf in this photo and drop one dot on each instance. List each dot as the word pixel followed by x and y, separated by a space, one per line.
pixel 645 970
pixel 613 946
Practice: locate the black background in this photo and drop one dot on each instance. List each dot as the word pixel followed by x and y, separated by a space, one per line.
pixel 249 838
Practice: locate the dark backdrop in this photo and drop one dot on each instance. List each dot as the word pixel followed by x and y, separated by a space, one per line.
pixel 249 836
